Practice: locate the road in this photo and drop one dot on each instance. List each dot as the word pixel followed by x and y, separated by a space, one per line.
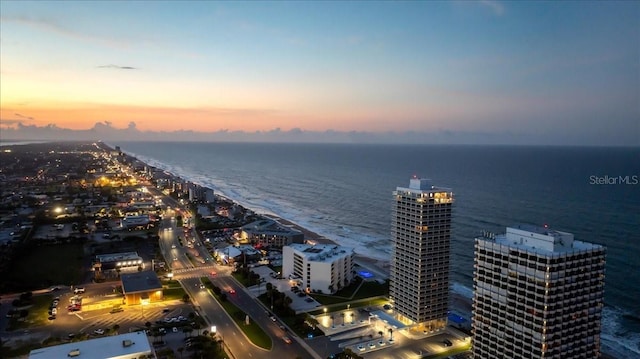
pixel 188 273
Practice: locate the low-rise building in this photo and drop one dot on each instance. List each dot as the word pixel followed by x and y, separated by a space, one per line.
pixel 267 232
pixel 113 264
pixel 141 288
pixel 323 268
pixel 123 346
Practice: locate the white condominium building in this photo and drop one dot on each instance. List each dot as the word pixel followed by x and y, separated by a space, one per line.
pixel 538 293
pixel 420 235
pixel 325 268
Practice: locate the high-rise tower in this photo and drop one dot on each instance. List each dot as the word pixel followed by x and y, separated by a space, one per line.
pixel 421 233
pixel 538 293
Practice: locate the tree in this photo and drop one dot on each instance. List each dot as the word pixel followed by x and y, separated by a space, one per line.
pixel 116 327
pixel 185 298
pixel 148 325
pixel 381 334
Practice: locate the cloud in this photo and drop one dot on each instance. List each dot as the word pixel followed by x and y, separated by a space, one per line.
pixel 48 24
pixel 117 67
pixel 494 5
pixel 24 117
pixel 9 122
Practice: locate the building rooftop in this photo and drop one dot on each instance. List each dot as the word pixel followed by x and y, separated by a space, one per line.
pixel 321 252
pixel 140 282
pixel 540 239
pixel 269 226
pixel 115 346
pixel 113 257
pixel 421 185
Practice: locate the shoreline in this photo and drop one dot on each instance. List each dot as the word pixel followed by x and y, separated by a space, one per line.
pixel 458 303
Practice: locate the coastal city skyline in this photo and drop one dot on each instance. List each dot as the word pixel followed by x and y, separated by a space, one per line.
pixel 401 72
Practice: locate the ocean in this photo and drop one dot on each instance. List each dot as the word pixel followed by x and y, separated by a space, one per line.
pixel 343 191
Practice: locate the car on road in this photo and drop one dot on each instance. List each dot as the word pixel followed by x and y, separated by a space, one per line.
pixel 78 290
pixel 386 307
pixel 286 340
pixel 447 343
pixel 166 310
pixel 232 291
pixel 54 289
pixel 213 273
pixel 273 319
pixel 98 331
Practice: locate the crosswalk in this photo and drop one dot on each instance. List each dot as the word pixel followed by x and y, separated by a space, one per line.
pixel 187 270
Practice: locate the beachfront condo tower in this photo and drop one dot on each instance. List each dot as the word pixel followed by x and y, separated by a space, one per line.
pixel 420 235
pixel 538 293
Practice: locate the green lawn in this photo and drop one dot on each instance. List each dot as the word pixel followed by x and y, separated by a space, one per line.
pixel 252 331
pixel 45 266
pixel 38 313
pixel 366 290
pixel 174 293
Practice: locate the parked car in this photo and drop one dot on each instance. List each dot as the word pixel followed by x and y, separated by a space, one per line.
pixel 98 331
pixel 78 290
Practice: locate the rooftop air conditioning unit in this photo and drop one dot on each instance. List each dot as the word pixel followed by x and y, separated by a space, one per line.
pixel 127 343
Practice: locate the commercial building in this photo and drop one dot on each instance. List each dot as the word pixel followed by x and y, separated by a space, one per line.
pixel 124 346
pixel 420 235
pixel 141 288
pixel 323 268
pixel 538 293
pixel 113 264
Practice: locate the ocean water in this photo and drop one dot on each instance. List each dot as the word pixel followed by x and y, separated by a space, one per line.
pixel 343 192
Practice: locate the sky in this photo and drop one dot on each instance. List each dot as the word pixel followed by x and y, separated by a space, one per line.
pixel 506 71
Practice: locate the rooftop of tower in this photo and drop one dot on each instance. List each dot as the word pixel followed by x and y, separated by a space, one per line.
pixel 540 239
pixel 419 185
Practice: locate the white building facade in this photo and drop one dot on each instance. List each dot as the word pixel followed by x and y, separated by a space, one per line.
pixel 323 268
pixel 420 235
pixel 538 293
